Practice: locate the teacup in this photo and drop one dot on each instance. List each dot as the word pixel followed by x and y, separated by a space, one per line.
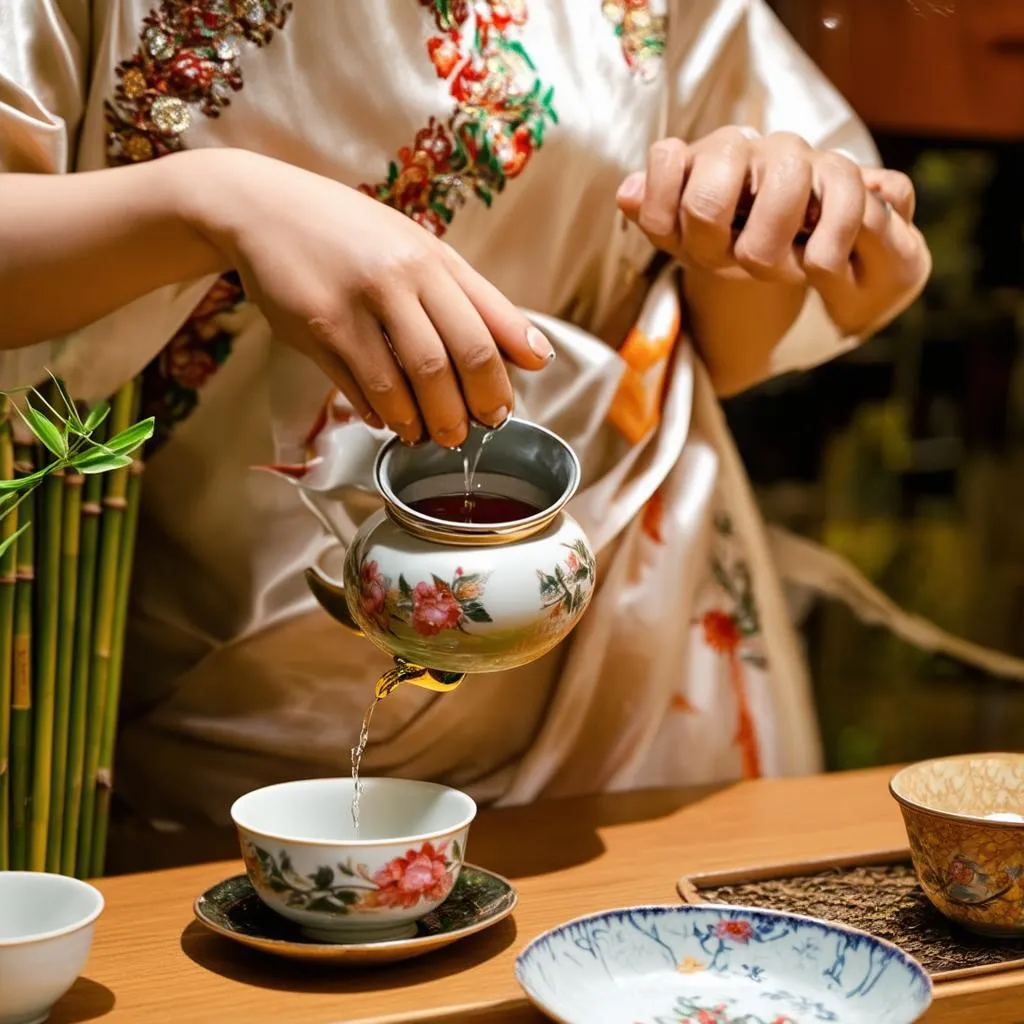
pixel 306 861
pixel 46 929
pixel 965 823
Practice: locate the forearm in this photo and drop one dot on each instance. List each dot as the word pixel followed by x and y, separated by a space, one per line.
pixel 737 324
pixel 76 247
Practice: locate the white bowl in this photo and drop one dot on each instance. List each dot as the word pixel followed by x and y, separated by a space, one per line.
pixel 46 928
pixel 307 863
pixel 719 965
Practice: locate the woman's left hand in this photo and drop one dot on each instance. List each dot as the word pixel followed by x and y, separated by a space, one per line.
pixel 736 204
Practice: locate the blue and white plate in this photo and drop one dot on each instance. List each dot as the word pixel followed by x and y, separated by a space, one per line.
pixel 719 965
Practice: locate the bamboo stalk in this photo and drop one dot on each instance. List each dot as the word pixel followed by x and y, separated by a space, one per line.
pixel 89 542
pixel 8 577
pixel 70 543
pixel 105 772
pixel 47 609
pixel 21 698
pixel 103 628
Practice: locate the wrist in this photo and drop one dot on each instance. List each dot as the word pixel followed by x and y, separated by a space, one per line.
pixel 204 186
pixel 736 324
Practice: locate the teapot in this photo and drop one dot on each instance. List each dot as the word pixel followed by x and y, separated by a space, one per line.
pixel 433 581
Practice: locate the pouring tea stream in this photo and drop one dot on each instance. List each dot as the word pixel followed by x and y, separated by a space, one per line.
pixel 472 565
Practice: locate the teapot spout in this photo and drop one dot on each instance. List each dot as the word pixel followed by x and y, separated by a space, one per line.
pixel 415 675
pixel 331 597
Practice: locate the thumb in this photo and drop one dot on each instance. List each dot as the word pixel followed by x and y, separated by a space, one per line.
pixel 630 196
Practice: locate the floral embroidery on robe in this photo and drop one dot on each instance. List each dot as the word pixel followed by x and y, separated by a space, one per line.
pixel 187 60
pixel 733 630
pixel 641 33
pixel 501 112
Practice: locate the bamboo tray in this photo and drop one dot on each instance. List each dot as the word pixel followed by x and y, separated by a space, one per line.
pixel 875 892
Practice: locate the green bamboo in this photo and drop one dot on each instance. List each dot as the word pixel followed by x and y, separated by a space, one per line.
pixel 47 609
pixel 8 578
pixel 89 542
pixel 65 663
pixel 105 772
pixel 21 698
pixel 103 628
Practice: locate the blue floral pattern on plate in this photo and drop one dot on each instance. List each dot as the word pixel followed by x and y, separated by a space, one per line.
pixel 719 965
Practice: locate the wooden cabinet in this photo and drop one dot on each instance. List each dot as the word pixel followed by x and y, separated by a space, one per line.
pixel 951 68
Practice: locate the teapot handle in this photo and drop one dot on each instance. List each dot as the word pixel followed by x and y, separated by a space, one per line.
pixel 331 597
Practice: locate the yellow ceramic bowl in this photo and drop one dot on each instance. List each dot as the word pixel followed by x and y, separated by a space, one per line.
pixel 965 822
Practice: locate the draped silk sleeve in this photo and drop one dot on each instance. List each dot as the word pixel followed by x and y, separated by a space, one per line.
pixel 43 57
pixel 733 62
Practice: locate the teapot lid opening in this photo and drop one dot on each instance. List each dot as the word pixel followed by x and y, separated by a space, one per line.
pixel 522 462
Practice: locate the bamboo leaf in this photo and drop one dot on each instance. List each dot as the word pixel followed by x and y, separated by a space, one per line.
pixel 99 461
pixel 23 483
pixel 97 414
pixel 44 430
pixel 128 440
pixel 73 421
pixel 9 542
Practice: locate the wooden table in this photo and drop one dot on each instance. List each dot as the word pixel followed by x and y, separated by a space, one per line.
pixel 151 964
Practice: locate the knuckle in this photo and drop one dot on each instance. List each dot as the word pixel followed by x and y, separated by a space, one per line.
pixel 482 357
pixel 793 164
pixel 666 150
pixel 430 367
pixel 758 261
pixel 706 205
pixel 731 137
pixel 790 141
pixel 380 385
pixel 824 261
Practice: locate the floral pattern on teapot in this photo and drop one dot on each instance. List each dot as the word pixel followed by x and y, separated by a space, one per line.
pixel 429 607
pixel 433 606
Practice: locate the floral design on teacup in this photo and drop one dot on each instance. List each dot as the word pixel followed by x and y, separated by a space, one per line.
pixel 424 874
pixel 967 882
pixel 566 589
pixel 429 607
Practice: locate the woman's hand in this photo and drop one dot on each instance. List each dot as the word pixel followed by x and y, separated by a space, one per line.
pixel 773 209
pixel 413 336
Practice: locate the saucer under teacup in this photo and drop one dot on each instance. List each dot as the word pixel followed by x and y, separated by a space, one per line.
pixel 479 900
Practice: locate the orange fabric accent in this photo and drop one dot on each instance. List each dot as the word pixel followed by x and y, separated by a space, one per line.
pixel 636 408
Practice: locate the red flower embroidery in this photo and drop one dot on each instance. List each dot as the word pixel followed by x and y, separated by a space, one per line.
pixel 736 931
pixel 434 609
pixel 420 875
pixel 721 633
pixel 444 52
pixel 501 111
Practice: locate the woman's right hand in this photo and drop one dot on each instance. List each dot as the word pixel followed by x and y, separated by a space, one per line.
pixel 414 337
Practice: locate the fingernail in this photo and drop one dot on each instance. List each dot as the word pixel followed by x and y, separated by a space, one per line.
pixel 632 187
pixel 371 419
pixel 498 417
pixel 410 434
pixel 539 345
